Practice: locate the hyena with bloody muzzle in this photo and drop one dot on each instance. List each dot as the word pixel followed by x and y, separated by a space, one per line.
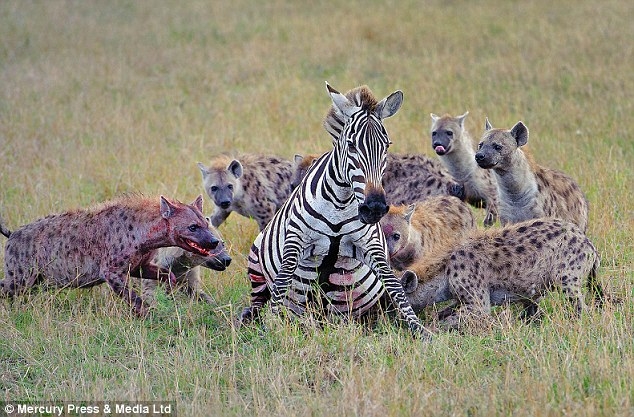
pixel 527 190
pixel 186 267
pixel 105 243
pixel 414 231
pixel 454 147
pixel 254 186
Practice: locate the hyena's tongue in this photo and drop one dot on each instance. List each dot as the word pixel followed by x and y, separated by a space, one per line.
pixel 440 150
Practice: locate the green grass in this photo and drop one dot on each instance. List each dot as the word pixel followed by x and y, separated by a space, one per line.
pixel 102 98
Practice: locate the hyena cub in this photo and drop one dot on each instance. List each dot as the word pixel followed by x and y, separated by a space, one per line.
pixel 105 243
pixel 516 263
pixel 454 147
pixel 407 178
pixel 186 268
pixel 527 190
pixel 255 186
pixel 414 231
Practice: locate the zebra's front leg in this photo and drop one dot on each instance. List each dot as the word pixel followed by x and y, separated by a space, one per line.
pixel 290 260
pixel 394 288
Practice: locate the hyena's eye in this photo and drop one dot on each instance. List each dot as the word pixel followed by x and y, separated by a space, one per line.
pixel 396 236
pixel 480 145
pixel 193 227
pixel 433 133
pixel 230 187
pixel 213 188
pixel 497 146
pixel 449 133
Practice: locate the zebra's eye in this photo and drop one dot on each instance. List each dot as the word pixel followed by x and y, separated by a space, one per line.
pixel 351 145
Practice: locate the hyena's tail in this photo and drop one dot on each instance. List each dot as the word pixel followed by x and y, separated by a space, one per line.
pixel 593 283
pixel 3 228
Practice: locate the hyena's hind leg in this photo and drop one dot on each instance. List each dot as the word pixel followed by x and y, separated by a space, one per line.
pixel 260 292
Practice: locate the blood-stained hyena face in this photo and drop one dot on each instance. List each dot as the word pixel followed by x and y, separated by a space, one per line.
pixel 222 183
pixel 445 131
pixel 497 145
pixel 396 225
pixel 188 227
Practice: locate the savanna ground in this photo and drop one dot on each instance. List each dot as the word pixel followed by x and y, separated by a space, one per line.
pixel 103 98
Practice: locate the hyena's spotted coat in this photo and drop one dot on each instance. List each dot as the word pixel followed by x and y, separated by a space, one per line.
pixel 105 243
pixel 186 268
pixel 517 263
pixel 527 190
pixel 407 178
pixel 415 230
pixel 454 147
pixel 254 186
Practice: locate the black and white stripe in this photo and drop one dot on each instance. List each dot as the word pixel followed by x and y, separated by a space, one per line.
pixel 324 247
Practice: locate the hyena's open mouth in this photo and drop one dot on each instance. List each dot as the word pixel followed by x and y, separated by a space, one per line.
pixel 194 247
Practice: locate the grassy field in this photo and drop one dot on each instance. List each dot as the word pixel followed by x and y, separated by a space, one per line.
pixel 99 98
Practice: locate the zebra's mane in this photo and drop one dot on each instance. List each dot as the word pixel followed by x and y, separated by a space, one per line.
pixel 361 96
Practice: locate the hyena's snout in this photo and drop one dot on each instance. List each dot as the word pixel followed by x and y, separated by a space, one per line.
pixel 373 208
pixel 483 160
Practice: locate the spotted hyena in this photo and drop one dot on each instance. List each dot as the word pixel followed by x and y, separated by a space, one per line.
pixel 407 178
pixel 254 186
pixel 186 266
pixel 454 147
pixel 415 230
pixel 105 243
pixel 517 263
pixel 527 190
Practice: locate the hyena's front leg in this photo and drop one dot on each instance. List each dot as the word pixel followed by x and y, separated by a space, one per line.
pixel 374 255
pixel 118 283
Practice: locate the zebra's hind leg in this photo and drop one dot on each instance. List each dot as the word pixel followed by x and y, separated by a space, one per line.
pixel 260 292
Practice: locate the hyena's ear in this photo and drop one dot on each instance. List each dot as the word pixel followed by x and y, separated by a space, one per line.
pixel 407 215
pixel 298 159
pixel 389 105
pixel 487 124
pixel 461 119
pixel 235 167
pixel 167 208
pixel 520 133
pixel 203 169
pixel 434 117
pixel 198 203
pixel 409 281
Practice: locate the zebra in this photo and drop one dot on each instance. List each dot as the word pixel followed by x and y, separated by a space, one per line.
pixel 324 246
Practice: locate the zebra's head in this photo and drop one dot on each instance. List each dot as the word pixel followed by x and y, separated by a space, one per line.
pixel 361 141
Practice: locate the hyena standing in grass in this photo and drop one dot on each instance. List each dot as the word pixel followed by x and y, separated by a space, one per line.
pixel 105 243
pixel 516 263
pixel 407 178
pixel 254 186
pixel 186 267
pixel 527 190
pixel 414 231
pixel 454 147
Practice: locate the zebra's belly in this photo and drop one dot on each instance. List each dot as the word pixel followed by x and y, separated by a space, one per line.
pixel 348 287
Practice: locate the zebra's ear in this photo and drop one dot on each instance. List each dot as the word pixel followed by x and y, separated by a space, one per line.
pixel 487 124
pixel 341 102
pixel 389 105
pixel 235 167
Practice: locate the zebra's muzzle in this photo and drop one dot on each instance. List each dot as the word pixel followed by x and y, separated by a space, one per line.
pixel 373 209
